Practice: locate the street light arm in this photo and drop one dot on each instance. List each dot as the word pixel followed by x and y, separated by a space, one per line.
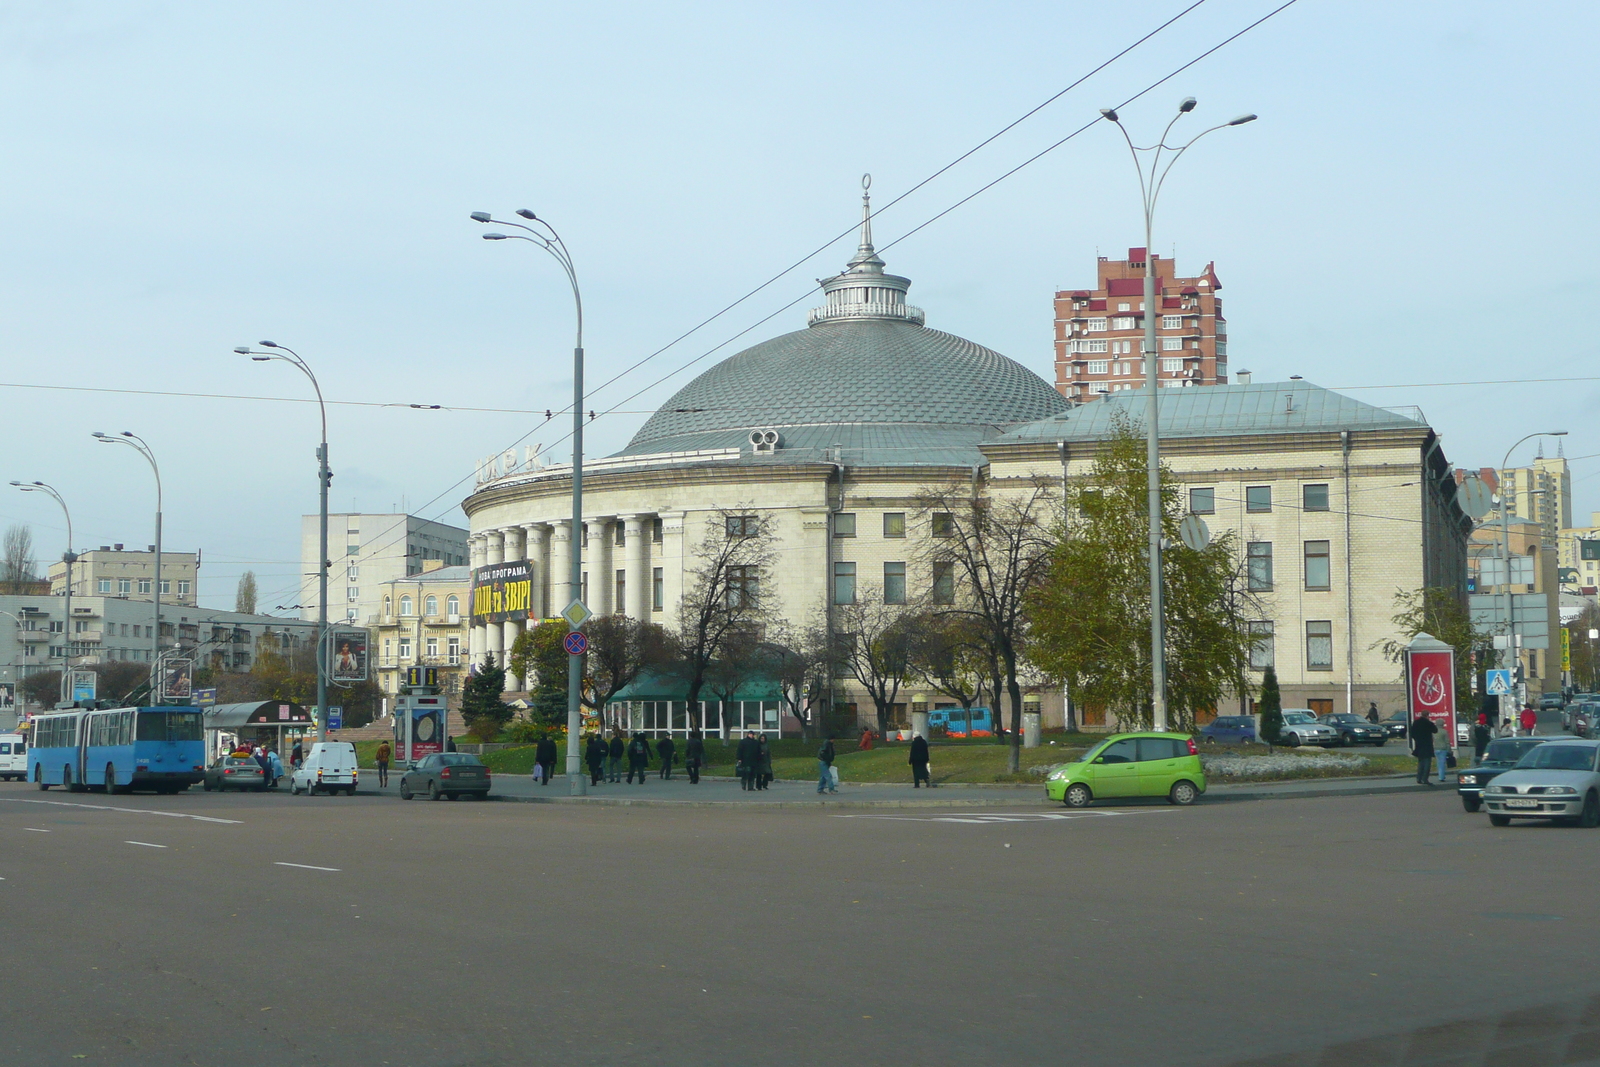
pixel 1144 191
pixel 558 250
pixel 1176 154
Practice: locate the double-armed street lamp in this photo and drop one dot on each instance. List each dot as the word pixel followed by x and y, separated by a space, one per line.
pixel 1151 179
pixel 542 234
pixel 138 444
pixel 324 476
pixel 69 557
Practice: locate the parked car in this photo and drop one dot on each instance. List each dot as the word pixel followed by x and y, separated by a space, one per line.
pixel 1557 780
pixel 1501 755
pixel 330 767
pixel 1354 730
pixel 446 774
pixel 1579 717
pixel 1131 765
pixel 1229 730
pixel 1551 702
pixel 13 757
pixel 1301 727
pixel 234 772
pixel 1395 725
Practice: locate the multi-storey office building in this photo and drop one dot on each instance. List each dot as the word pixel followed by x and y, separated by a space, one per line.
pixel 367 551
pixel 129 574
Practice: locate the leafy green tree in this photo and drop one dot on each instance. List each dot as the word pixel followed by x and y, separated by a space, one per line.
pixel 1091 613
pixel 244 598
pixel 1270 708
pixel 540 660
pixel 482 710
pixel 1441 613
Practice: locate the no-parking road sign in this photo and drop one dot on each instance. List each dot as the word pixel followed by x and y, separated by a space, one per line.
pixel 575 643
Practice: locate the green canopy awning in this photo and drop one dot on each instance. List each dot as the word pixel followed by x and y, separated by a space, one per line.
pixel 650 686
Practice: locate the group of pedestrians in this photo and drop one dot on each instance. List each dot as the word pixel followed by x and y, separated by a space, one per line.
pixel 606 756
pixel 266 758
pixel 754 761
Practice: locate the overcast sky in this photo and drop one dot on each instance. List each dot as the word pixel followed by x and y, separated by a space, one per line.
pixel 1413 209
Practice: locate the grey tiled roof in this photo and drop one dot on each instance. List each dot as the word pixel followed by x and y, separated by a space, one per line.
pixel 1220 411
pixel 886 392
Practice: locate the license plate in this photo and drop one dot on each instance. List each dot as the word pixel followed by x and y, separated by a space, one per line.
pixel 1522 803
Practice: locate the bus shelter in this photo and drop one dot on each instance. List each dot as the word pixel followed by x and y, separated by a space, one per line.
pixel 656 706
pixel 274 723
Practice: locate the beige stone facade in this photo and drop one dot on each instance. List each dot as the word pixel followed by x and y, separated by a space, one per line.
pixel 128 574
pixel 422 621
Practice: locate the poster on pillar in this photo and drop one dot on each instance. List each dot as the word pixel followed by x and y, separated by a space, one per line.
pixel 1430 687
pixel 502 592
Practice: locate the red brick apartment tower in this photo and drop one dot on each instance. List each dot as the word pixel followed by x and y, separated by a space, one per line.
pixel 1098 333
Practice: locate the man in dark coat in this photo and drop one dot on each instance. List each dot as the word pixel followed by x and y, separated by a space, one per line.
pixel 614 753
pixel 825 758
pixel 1422 731
pixel 748 755
pixel 694 756
pixel 545 756
pixel 638 757
pixel 763 762
pixel 919 762
pixel 666 749
pixel 1480 737
pixel 1372 712
pixel 597 758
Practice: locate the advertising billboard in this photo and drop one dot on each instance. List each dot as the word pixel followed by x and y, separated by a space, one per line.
pixel 83 685
pixel 177 675
pixel 1431 686
pixel 347 654
pixel 419 726
pixel 502 592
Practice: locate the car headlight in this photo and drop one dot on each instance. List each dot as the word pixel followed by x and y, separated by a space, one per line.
pixel 1562 790
pixel 1056 775
pixel 1498 789
pixel 1469 779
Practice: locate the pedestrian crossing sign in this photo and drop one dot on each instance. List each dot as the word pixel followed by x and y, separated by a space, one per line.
pixel 1498 683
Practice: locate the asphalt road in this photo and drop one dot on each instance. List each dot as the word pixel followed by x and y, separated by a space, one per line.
pixel 275 930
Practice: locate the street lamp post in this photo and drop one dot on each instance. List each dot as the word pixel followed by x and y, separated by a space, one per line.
pixel 324 476
pixel 68 557
pixel 1150 184
pixel 138 444
pixel 1512 653
pixel 546 237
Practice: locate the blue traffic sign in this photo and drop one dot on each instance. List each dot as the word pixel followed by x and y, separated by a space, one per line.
pixel 335 718
pixel 1497 683
pixel 576 643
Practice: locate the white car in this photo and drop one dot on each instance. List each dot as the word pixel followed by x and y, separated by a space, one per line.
pixel 1300 727
pixel 330 767
pixel 13 757
pixel 1557 780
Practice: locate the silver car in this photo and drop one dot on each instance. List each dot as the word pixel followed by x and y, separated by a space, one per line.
pixel 1300 727
pixel 1558 780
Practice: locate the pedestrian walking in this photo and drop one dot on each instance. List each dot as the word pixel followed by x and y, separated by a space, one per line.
pixel 747 754
pixel 666 748
pixel 614 754
pixel 1421 733
pixel 383 754
pixel 763 762
pixel 1372 712
pixel 866 739
pixel 694 756
pixel 638 757
pixel 274 768
pixel 296 756
pixel 597 758
pixel 260 755
pixel 544 754
pixel 825 757
pixel 919 762
pixel 1480 738
pixel 1530 719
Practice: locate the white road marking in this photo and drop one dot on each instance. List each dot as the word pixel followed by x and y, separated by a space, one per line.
pixel 131 811
pixel 306 867
pixel 35 830
pixel 984 818
pixel 146 844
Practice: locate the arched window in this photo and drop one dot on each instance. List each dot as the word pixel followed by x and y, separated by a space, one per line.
pixel 388 605
pixel 452 606
pixel 405 605
pixel 431 605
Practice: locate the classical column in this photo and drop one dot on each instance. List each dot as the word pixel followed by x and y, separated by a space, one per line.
pixel 560 566
pixel 510 630
pixel 673 561
pixel 537 538
pixel 494 644
pixel 513 544
pixel 496 540
pixel 597 564
pixel 475 550
pixel 636 550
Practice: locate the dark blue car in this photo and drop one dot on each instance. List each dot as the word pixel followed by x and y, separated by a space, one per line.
pixel 1229 730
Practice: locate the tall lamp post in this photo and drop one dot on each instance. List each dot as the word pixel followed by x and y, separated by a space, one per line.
pixel 324 476
pixel 1150 183
pixel 545 236
pixel 68 557
pixel 138 444
pixel 1505 550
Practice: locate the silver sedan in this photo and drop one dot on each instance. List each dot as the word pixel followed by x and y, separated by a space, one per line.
pixel 1302 728
pixel 1558 780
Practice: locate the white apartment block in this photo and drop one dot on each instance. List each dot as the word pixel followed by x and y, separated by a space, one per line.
pixel 366 552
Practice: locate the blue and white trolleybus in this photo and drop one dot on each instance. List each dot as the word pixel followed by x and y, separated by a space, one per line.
pixel 119 750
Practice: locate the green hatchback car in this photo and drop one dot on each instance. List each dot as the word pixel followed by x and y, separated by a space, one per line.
pixel 1131 765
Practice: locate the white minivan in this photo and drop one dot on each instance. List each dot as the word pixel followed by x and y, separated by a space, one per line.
pixel 13 757
pixel 330 767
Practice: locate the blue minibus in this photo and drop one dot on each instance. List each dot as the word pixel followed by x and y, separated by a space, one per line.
pixel 120 750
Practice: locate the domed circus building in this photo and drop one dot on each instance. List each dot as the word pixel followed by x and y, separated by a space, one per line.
pixel 830 434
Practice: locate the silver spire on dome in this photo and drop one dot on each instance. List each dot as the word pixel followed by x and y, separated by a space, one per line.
pixel 863 290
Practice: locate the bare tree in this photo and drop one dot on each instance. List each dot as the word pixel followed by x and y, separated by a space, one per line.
pixel 16 572
pixel 996 550
pixel 245 599
pixel 724 600
pixel 620 650
pixel 950 654
pixel 871 644
pixel 802 664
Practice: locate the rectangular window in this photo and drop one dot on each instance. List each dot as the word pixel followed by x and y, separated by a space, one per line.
pixel 433 648
pixel 620 533
pixel 619 602
pixel 844 524
pixel 1314 497
pixel 1318 571
pixel 104 585
pixel 1258 566
pixel 144 585
pixel 1203 501
pixel 1171 344
pixel 1172 322
pixel 894 524
pixel 1097 326
pixel 844 583
pixel 183 587
pixel 944 582
pixel 655 530
pixel 1258 498
pixel 1261 647
pixel 1125 323
pixel 743 525
pixel 944 524
pixel 453 650
pixel 405 648
pixel 1100 366
pixel 352 573
pixel 166 587
pixel 352 550
pixel 1124 306
pixel 658 592
pixel 894 583
pixel 1319 646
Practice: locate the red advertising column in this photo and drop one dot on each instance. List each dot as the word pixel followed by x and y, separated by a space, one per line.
pixel 1431 684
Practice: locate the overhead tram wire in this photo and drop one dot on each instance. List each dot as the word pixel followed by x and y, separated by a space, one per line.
pixel 810 290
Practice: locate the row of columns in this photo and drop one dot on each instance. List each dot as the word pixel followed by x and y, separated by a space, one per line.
pixel 547 549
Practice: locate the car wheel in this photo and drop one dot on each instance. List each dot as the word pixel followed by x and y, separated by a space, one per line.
pixel 434 792
pixel 1499 820
pixel 1207 739
pixel 1344 740
pixel 1077 795
pixel 1591 812
pixel 1293 740
pixel 1182 793
pixel 111 781
pixel 405 790
pixel 1471 804
pixel 1380 742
